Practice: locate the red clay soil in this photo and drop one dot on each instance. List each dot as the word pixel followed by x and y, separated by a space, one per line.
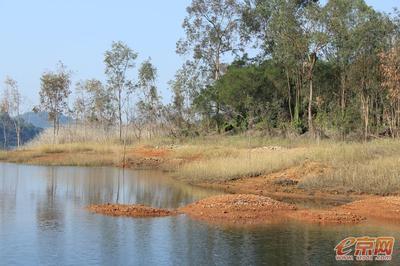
pixel 247 209
pixel 136 211
pixel 376 208
pixel 283 184
pixel 238 209
pixel 149 152
pixel 327 217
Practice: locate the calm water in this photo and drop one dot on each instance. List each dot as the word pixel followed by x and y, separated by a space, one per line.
pixel 43 222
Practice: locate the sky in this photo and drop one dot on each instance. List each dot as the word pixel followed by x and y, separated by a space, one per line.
pixel 35 35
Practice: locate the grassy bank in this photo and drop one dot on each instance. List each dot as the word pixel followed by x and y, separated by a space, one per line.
pixel 371 167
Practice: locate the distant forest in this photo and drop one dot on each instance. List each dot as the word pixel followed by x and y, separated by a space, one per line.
pixel 279 67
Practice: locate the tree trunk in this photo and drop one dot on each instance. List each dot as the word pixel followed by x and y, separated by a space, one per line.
pixel 4 134
pixel 289 96
pixel 310 99
pixel 120 113
pixel 365 109
pixel 54 129
pixel 343 93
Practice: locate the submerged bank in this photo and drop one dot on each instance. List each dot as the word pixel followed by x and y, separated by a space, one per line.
pixel 136 211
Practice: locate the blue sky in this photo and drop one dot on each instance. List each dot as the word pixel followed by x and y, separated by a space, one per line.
pixel 35 35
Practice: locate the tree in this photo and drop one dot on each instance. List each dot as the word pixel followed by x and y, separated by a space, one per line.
pixel 150 104
pixel 54 93
pixel 211 31
pixel 189 80
pixel 5 109
pixel 14 106
pixel 390 62
pixel 277 27
pixel 119 61
pixel 94 102
pixel 317 38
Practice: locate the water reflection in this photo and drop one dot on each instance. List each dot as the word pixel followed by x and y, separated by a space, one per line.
pixel 43 222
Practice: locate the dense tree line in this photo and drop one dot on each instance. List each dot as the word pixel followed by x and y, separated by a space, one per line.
pixel 321 70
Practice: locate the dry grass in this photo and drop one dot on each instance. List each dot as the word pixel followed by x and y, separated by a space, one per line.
pixel 371 167
pixel 243 163
pixel 76 133
pixel 367 168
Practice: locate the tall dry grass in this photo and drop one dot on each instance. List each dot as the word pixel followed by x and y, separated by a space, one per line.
pixel 241 163
pixel 372 167
pixel 77 133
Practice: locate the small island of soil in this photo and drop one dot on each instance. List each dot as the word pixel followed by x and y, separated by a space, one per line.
pixel 136 211
pixel 238 209
pixel 246 209
pixel 249 209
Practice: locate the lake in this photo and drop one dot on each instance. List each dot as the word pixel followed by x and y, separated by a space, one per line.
pixel 43 221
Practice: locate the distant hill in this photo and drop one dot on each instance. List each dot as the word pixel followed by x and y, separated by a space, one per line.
pixel 7 129
pixel 41 119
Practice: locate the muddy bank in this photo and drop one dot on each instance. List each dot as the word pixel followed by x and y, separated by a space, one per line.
pixel 136 211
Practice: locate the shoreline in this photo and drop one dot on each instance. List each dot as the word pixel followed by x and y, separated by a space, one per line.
pixel 283 184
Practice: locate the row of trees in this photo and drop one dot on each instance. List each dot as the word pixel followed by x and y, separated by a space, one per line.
pixel 317 69
pixel 118 101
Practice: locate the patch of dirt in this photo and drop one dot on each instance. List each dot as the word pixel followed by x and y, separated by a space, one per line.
pixel 245 209
pixel 149 152
pixel 238 209
pixel 376 208
pixel 327 217
pixel 136 211
pixel 283 184
pixel 249 209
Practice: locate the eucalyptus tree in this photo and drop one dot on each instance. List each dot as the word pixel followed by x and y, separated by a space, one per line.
pixel 373 35
pixel 149 105
pixel 54 93
pixel 279 27
pixel 5 109
pixel 211 28
pixel 15 101
pixel 190 79
pixel 94 102
pixel 119 61
pixel 316 35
